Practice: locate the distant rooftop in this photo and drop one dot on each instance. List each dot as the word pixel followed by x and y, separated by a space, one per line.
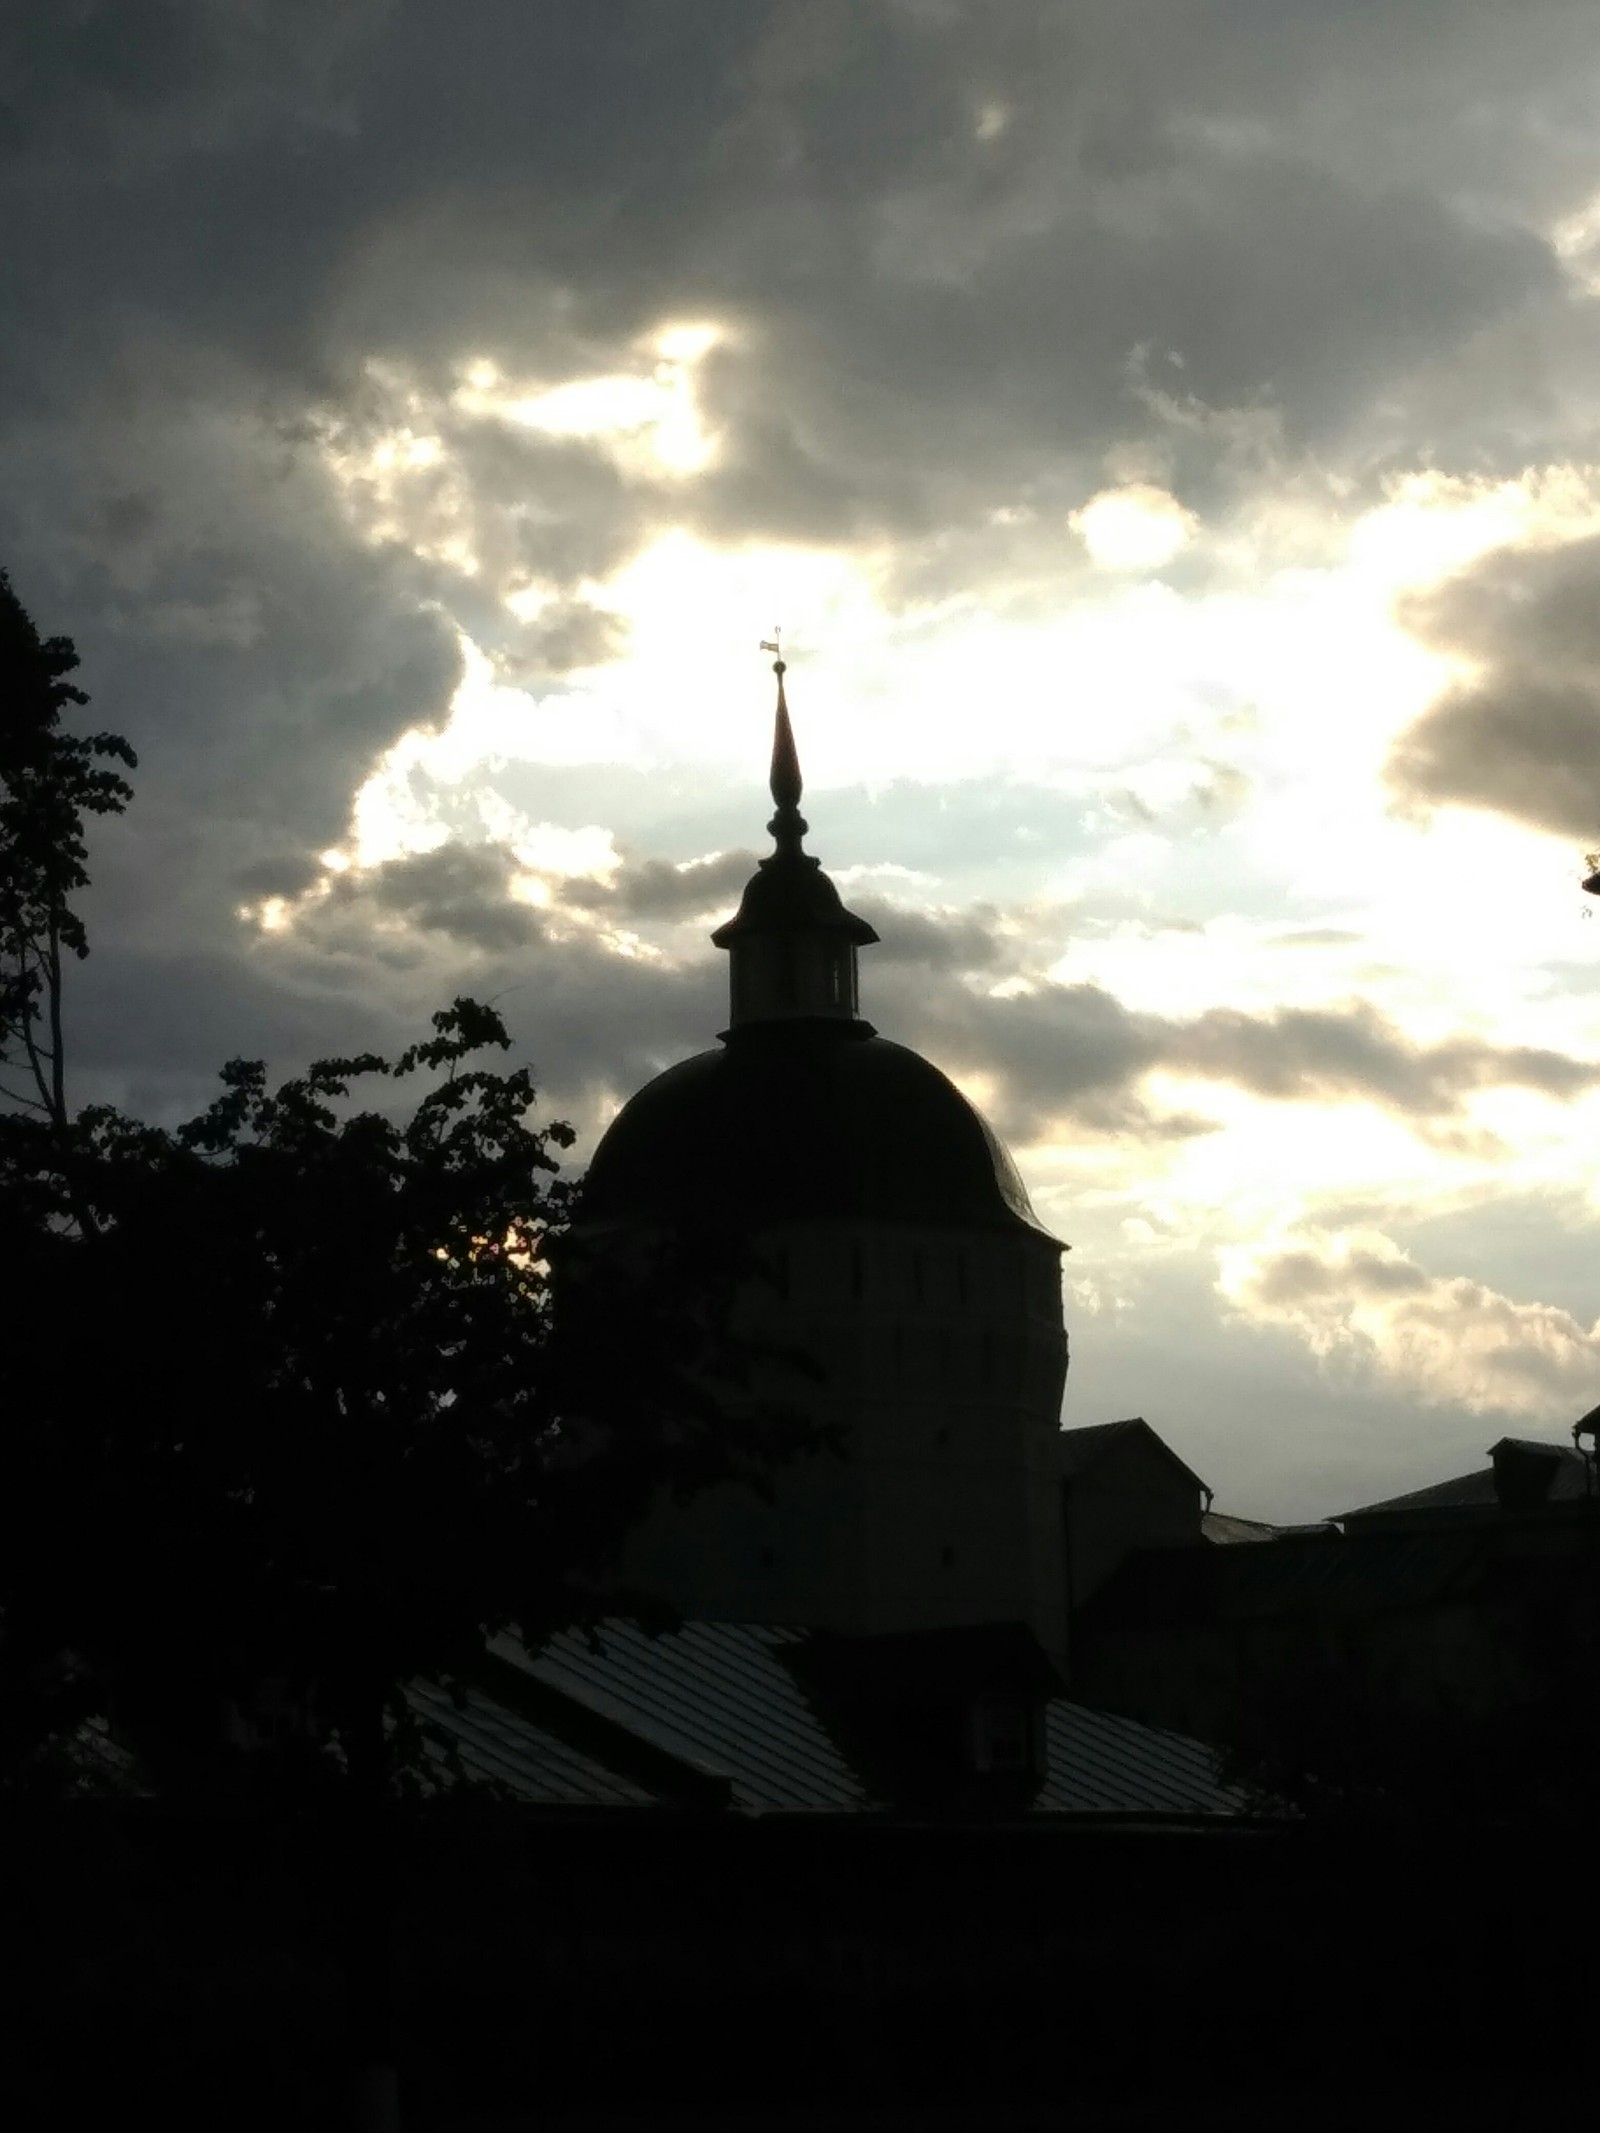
pixel 1559 1474
pixel 1225 1528
pixel 1167 1588
pixel 1079 1451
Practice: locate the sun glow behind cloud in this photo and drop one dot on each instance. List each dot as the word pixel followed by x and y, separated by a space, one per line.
pixel 1245 723
pixel 648 419
pixel 1221 736
pixel 1137 528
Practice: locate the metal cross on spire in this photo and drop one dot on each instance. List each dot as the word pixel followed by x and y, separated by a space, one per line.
pixel 787 825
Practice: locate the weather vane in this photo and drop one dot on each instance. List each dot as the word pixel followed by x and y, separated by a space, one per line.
pixel 771 644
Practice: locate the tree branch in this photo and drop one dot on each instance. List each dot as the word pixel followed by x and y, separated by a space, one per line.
pixel 35 1064
pixel 58 1064
pixel 16 1096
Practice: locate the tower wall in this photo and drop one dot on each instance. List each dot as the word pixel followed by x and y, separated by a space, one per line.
pixel 942 1354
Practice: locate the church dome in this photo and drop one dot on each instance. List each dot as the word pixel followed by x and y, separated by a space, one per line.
pixel 805 1112
pixel 790 1122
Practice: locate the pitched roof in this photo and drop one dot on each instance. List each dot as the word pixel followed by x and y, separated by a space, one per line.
pixel 1103 1764
pixel 508 1748
pixel 1226 1528
pixel 1569 1483
pixel 1080 1451
pixel 715 1696
pixel 720 1700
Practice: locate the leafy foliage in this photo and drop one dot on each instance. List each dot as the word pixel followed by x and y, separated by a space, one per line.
pixel 327 1430
pixel 49 780
pixel 290 1400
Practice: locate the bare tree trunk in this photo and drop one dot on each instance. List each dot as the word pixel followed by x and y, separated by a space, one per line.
pixel 58 1057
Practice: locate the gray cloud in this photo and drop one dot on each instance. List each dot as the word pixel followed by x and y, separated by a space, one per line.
pixel 656 889
pixel 463 891
pixel 1074 1055
pixel 216 214
pixel 363 966
pixel 1522 736
pixel 966 940
pixel 1316 937
pixel 1352 1052
pixel 370 953
pixel 965 252
pixel 1366 1308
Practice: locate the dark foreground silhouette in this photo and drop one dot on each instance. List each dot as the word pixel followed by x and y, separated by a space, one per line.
pixel 643 1969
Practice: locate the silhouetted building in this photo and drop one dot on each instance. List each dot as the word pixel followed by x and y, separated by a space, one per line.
pixel 1122 1488
pixel 915 1595
pixel 750 1719
pixel 1458 1601
pixel 902 1258
pixel 1525 1476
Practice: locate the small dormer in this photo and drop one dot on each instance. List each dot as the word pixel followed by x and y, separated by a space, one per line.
pixel 1526 1472
pixel 943 1719
pixel 1005 1736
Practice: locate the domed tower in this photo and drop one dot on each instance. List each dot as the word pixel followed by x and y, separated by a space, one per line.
pixel 904 1261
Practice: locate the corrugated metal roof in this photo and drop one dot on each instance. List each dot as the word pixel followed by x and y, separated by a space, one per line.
pixel 101 1763
pixel 506 1748
pixel 719 1696
pixel 713 1694
pixel 1103 1764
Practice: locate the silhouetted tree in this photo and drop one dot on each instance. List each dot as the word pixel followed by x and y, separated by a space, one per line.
pixel 287 1397
pixel 324 1431
pixel 327 1370
pixel 49 780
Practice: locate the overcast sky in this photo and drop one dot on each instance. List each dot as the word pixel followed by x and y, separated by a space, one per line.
pixel 1167 433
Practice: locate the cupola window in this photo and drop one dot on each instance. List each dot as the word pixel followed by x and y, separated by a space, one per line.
pixel 792 944
pixel 1001 1734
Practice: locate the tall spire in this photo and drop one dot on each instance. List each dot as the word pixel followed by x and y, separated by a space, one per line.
pixel 788 826
pixel 792 943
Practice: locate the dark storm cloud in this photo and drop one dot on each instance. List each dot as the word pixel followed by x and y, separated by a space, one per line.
pixel 935 940
pixel 361 968
pixel 463 891
pixel 365 954
pixel 539 184
pixel 256 657
pixel 962 251
pixel 1522 736
pixel 1074 1054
